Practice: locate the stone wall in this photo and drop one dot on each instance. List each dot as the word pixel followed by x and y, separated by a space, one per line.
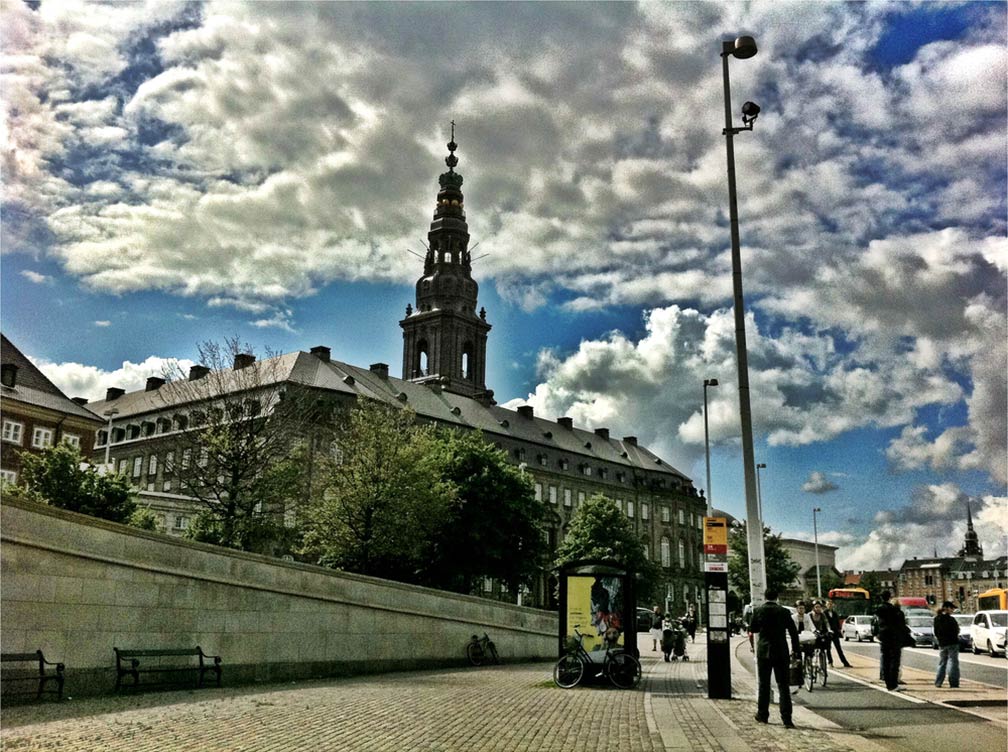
pixel 75 586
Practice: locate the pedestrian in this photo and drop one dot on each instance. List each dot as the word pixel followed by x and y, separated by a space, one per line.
pixel 834 623
pixel 775 626
pixel 656 628
pixel 892 631
pixel 690 624
pixel 946 630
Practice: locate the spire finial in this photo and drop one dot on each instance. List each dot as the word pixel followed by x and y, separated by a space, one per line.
pixel 451 160
pixel 969 516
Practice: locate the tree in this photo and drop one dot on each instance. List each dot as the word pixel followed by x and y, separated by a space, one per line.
pixel 58 476
pixel 495 525
pixel 870 582
pixel 598 530
pixel 235 431
pixel 781 570
pixel 378 495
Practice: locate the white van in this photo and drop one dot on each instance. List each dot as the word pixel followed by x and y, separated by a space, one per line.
pixel 989 631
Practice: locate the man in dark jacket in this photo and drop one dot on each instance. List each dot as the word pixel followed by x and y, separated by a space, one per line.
pixel 834 624
pixel 946 630
pixel 892 632
pixel 774 624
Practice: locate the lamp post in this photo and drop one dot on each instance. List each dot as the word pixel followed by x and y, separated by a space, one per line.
pixel 743 48
pixel 706 438
pixel 815 533
pixel 108 436
pixel 759 490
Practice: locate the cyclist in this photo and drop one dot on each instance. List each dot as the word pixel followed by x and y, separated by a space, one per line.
pixel 820 625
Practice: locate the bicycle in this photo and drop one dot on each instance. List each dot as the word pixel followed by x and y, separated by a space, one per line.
pixel 815 663
pixel 479 648
pixel 618 666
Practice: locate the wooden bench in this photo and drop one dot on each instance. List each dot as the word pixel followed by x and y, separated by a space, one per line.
pixel 41 675
pixel 149 663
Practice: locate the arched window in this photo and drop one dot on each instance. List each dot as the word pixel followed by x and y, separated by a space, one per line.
pixel 666 553
pixel 682 554
pixel 467 361
pixel 421 364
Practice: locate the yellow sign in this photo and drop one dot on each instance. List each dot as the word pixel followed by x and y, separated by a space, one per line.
pixel 595 609
pixel 715 531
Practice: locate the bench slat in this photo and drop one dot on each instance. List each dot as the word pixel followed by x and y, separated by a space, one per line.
pixel 19 657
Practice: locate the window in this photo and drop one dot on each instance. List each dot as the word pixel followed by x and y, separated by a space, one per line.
pixel 289 517
pixel 666 514
pixel 186 458
pixel 567 497
pixel 603 473
pixel 682 554
pixel 581 497
pixel 166 486
pixel 564 464
pixel 42 438
pixel 682 517
pixel 169 463
pixel 666 553
pixel 137 466
pixel 645 511
pixel 181 522
pixel 699 522
pixel 123 464
pixel 553 494
pixel 647 550
pixel 487 585
pixel 7 477
pixel 685 593
pixel 150 486
pixel 543 460
pixel 629 509
pixel 620 477
pixel 586 470
pixel 204 457
pixel 538 491
pixel 13 432
pixel 71 439
pixel 692 520
pixel 520 454
pixel 101 438
pixel 152 465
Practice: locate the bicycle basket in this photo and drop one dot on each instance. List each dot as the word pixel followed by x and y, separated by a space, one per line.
pixel 571 644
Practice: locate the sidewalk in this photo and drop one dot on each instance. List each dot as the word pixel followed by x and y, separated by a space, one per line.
pixel 510 708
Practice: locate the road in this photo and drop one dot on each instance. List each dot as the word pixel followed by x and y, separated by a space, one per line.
pixel 920 718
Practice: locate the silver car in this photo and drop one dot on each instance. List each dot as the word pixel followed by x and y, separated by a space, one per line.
pixel 921 629
pixel 858 628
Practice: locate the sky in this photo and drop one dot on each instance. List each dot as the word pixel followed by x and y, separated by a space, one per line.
pixel 180 172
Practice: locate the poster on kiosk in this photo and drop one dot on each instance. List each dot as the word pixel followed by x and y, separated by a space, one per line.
pixel 597 606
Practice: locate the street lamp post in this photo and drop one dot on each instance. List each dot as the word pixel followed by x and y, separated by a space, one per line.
pixel 759 489
pixel 743 48
pixel 706 438
pixel 815 534
pixel 108 436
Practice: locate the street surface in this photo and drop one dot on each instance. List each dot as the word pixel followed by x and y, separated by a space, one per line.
pixel 516 708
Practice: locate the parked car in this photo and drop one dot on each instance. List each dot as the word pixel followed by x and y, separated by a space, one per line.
pixel 858 627
pixel 988 631
pixel 921 629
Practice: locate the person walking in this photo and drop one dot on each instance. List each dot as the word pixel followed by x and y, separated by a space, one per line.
pixel 774 625
pixel 834 624
pixel 891 634
pixel 656 628
pixel 691 623
pixel 946 630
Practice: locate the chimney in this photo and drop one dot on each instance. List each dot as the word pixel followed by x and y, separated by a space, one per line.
pixel 381 369
pixel 79 400
pixel 321 352
pixel 154 383
pixel 435 386
pixel 113 393
pixel 603 432
pixel 526 411
pixel 567 423
pixel 631 440
pixel 197 372
pixel 8 374
pixel 243 360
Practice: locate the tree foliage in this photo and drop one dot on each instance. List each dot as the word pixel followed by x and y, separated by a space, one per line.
pixel 58 476
pixel 379 495
pixel 598 530
pixel 495 525
pixel 232 455
pixel 781 569
pixel 871 582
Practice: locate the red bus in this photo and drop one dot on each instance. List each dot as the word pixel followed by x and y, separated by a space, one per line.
pixel 912 601
pixel 850 601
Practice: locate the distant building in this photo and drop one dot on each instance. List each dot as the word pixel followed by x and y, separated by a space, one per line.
pixel 444 370
pixel 803 553
pixel 36 414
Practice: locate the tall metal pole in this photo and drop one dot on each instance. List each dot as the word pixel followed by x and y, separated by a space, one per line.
pixel 759 488
pixel 108 438
pixel 706 437
pixel 815 533
pixel 754 522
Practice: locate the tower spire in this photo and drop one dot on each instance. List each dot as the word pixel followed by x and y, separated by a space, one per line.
pixel 971 545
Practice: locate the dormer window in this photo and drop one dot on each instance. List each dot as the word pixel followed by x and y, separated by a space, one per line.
pixel 564 464
pixel 543 460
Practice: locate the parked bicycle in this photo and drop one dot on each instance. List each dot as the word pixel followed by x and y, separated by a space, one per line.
pixel 617 665
pixel 815 662
pixel 481 650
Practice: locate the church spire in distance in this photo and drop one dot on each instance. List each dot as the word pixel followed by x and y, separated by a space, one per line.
pixel 971 545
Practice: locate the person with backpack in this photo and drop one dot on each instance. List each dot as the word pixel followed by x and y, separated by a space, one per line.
pixel 892 630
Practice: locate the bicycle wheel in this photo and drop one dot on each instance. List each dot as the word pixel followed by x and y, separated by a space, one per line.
pixel 822 668
pixel 810 673
pixel 568 671
pixel 623 670
pixel 494 658
pixel 475 653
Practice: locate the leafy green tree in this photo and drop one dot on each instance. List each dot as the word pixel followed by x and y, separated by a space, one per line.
pixel 871 583
pixel 495 525
pixel 598 530
pixel 59 477
pixel 781 569
pixel 379 495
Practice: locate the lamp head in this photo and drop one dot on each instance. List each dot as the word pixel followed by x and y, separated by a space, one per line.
pixel 710 382
pixel 750 111
pixel 745 47
pixel 762 464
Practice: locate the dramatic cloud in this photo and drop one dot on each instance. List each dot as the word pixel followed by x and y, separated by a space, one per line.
pixel 818 483
pixel 78 380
